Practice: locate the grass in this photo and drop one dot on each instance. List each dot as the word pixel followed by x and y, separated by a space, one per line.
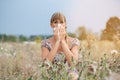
pixel 19 61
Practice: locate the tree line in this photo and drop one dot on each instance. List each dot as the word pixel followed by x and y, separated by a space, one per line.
pixel 22 38
pixel 111 31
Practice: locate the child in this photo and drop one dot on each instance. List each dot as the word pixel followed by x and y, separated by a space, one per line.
pixel 60 44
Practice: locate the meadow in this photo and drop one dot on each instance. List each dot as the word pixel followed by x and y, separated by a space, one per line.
pixel 98 60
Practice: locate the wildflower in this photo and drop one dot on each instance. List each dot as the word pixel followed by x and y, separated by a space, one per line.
pixel 47 64
pixel 92 68
pixel 73 75
pixel 6 50
pixel 14 54
pixel 8 55
pixel 114 52
pixel 1 48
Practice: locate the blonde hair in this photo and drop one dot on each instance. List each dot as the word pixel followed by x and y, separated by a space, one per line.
pixel 58 16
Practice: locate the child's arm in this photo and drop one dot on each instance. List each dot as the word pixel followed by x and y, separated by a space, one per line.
pixel 73 53
pixel 46 54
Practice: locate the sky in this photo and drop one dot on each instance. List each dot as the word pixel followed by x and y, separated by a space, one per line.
pixel 32 17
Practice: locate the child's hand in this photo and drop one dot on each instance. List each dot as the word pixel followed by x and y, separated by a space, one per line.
pixel 60 32
pixel 56 33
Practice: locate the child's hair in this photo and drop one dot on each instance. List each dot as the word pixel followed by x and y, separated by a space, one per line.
pixel 59 16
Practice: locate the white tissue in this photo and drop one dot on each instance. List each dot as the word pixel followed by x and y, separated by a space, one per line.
pixel 54 29
pixel 59 25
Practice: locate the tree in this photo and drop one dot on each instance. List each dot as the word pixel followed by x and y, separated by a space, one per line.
pixel 22 38
pixel 112 28
pixel 12 38
pixel 32 37
pixel 82 33
pixel 38 39
pixel 3 37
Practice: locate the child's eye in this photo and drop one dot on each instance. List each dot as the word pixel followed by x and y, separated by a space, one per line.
pixel 55 22
pixel 61 21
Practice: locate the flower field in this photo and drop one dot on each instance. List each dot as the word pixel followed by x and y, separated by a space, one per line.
pixel 98 60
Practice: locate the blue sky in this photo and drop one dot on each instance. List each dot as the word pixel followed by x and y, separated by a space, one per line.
pixel 31 17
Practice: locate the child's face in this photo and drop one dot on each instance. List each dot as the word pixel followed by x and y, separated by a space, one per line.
pixel 59 27
pixel 58 23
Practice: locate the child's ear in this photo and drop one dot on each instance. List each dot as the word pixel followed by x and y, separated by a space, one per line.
pixel 51 25
pixel 66 28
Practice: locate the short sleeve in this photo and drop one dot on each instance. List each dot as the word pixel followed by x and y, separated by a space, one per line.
pixel 75 42
pixel 45 43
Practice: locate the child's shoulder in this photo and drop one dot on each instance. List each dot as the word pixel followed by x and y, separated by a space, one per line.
pixel 74 41
pixel 46 43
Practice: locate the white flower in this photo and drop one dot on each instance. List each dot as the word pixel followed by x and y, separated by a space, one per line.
pixel 1 48
pixel 114 52
pixel 8 55
pixel 14 54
